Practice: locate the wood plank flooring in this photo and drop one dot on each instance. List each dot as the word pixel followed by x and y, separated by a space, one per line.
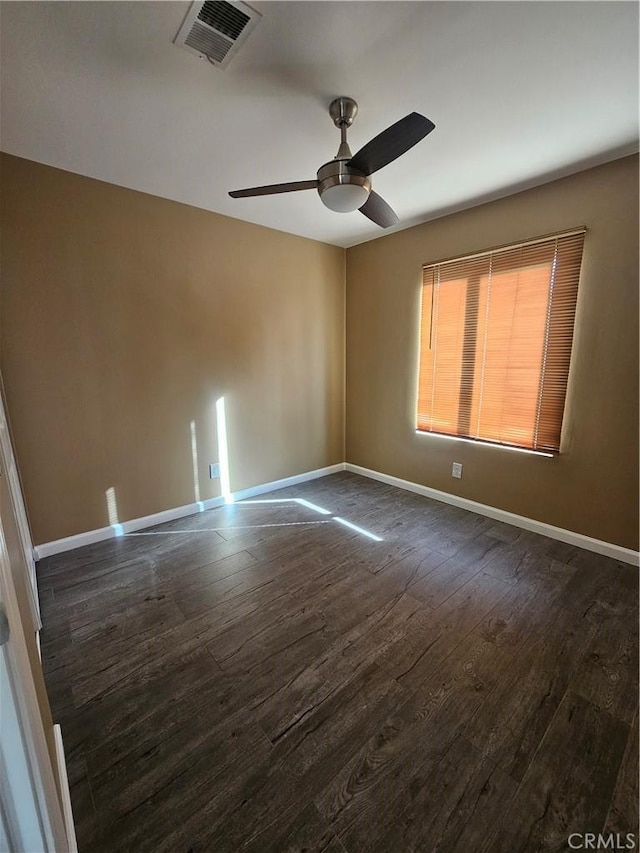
pixel 266 678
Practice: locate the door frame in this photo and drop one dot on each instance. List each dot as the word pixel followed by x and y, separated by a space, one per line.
pixel 47 777
pixel 10 471
pixel 23 691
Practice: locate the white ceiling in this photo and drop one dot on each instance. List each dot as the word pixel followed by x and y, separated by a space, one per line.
pixel 520 92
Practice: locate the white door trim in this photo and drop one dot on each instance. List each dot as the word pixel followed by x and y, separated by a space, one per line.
pixel 10 470
pixel 23 692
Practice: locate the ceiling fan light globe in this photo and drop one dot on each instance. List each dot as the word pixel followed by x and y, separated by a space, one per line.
pixel 345 198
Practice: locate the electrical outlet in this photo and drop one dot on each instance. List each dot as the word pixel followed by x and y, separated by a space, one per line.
pixel 214 471
pixel 456 470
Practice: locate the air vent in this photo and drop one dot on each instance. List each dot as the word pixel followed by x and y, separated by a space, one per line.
pixel 216 29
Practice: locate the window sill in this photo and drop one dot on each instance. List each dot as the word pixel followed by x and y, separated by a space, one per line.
pixel 490 444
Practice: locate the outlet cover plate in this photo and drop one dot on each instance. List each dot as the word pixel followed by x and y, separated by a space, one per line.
pixel 456 470
pixel 214 471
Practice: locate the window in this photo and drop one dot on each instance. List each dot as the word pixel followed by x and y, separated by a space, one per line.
pixel 495 343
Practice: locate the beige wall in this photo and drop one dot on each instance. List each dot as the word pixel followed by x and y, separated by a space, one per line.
pixel 592 487
pixel 124 317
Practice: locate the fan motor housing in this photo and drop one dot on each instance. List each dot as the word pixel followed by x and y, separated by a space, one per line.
pixel 354 186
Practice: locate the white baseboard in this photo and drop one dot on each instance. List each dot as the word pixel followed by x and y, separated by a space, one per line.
pixel 288 481
pixel 64 790
pixel 608 549
pixel 58 546
pixel 113 531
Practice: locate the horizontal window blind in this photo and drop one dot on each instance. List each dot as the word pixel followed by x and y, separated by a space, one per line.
pixel 495 342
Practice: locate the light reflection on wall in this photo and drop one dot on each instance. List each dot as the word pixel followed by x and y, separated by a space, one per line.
pixel 227 494
pixel 194 459
pixel 223 451
pixel 112 510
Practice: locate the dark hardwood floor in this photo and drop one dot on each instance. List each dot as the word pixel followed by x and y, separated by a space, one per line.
pixel 263 677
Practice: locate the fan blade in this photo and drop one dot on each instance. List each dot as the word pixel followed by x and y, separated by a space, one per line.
pixel 377 210
pixel 271 189
pixel 391 143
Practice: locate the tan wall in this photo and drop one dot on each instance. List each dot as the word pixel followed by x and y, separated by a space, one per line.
pixel 592 487
pixel 125 316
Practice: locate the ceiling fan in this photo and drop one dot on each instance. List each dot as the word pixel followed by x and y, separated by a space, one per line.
pixel 344 183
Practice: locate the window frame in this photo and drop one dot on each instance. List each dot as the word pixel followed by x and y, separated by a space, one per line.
pixel 544 452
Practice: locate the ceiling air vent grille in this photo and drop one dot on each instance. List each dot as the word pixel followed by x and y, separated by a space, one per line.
pixel 224 17
pixel 215 29
pixel 211 44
